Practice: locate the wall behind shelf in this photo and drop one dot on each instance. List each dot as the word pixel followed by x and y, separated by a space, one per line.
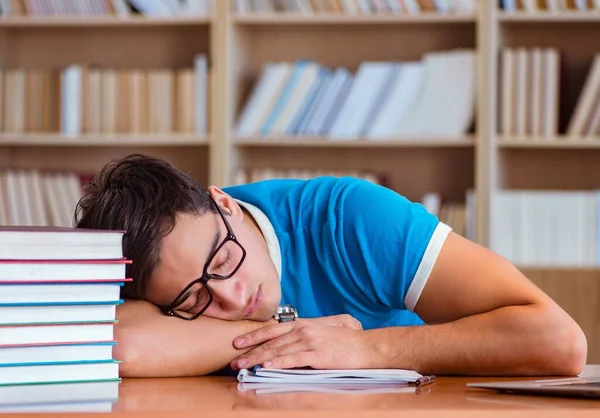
pixel 89 159
pixel 410 171
pixel 115 47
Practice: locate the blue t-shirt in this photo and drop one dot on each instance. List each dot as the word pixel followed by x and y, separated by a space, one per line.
pixel 348 246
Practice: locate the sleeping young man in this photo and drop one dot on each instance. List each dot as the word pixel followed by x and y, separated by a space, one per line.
pixel 373 280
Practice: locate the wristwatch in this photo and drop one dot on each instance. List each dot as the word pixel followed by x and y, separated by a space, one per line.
pixel 286 313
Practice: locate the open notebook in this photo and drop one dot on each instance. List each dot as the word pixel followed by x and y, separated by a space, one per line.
pixel 332 388
pixel 313 376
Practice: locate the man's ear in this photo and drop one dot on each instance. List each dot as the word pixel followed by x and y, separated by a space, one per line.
pixel 227 204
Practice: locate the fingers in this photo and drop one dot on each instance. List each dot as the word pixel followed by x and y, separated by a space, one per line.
pixel 293 360
pixel 265 351
pixel 293 353
pixel 263 335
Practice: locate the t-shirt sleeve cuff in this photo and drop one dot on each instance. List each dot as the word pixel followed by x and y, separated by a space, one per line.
pixel 430 256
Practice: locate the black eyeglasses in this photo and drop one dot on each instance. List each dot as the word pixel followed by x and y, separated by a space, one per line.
pixel 222 264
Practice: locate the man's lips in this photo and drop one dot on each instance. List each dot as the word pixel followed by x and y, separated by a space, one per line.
pixel 253 303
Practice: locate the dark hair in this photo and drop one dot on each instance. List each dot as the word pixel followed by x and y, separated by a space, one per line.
pixel 143 196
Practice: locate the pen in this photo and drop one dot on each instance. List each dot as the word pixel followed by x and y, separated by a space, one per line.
pixel 425 380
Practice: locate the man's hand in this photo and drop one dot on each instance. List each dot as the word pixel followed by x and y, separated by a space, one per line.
pixel 305 342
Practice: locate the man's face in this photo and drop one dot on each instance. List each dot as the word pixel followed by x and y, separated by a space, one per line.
pixel 253 292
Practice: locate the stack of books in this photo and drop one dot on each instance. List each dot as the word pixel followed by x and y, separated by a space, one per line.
pixel 59 289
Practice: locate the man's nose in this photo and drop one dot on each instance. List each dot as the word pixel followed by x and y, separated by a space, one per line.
pixel 228 293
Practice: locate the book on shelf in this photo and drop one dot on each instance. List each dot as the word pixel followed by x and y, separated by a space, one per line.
pixel 39 197
pixel 546 228
pixel 530 92
pixel 381 100
pixel 460 216
pixel 57 326
pixel 357 7
pixel 118 8
pixel 585 120
pixel 551 6
pixel 86 99
pixel 532 80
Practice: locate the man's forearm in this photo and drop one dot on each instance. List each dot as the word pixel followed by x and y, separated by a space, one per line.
pixel 513 340
pixel 154 345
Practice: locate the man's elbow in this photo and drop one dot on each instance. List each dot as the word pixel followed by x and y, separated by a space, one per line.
pixel 140 356
pixel 127 352
pixel 565 351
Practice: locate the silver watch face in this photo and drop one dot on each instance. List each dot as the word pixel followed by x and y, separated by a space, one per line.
pixel 286 309
pixel 286 313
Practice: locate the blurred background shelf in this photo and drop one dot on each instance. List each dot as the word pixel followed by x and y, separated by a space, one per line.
pixel 549 17
pixel 124 140
pixel 340 19
pixel 464 152
pixel 23 22
pixel 543 137
pixel 552 142
pixel 325 142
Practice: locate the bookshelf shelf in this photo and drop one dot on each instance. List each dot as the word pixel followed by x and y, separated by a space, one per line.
pixel 124 140
pixel 324 142
pixel 550 143
pixel 341 19
pixel 101 21
pixel 548 17
pixel 541 175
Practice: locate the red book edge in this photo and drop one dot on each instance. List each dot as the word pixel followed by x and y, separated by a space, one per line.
pixel 66 261
pixel 58 281
pixel 61 229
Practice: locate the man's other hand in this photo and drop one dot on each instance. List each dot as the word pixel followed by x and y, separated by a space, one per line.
pixel 339 344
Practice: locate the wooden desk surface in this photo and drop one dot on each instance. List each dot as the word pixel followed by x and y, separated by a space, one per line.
pixel 222 397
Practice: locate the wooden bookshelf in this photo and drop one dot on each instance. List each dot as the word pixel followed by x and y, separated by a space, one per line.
pixel 552 142
pixel 100 21
pixel 238 47
pixel 337 40
pixel 341 19
pixel 324 142
pixel 550 18
pixel 98 140
pixel 544 164
pixel 32 43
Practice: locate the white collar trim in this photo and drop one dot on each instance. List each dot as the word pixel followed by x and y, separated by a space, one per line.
pixel 268 232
